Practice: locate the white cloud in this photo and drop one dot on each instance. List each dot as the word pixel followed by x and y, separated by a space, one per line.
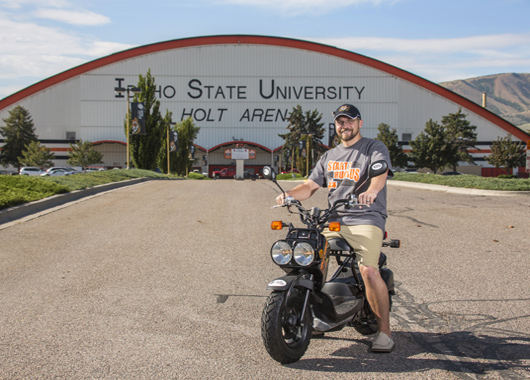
pixel 34 51
pixel 297 7
pixel 444 58
pixel 72 17
pixel 491 43
pixel 16 4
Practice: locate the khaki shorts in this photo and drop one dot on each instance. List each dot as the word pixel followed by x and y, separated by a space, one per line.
pixel 366 240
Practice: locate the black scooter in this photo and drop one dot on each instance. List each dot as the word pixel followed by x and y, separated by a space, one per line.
pixel 302 302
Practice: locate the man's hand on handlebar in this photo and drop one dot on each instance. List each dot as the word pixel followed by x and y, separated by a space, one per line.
pixel 368 197
pixel 280 199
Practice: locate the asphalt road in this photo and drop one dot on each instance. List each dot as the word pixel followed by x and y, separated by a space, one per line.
pixel 166 280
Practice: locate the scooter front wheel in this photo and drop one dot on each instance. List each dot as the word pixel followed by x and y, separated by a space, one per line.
pixel 285 336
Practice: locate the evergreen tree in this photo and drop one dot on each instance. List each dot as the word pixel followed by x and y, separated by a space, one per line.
pixel 36 155
pixel 462 134
pixel 187 133
pixel 145 149
pixel 507 153
pixel 303 126
pixel 19 131
pixel 83 154
pixel 432 149
pixel 390 138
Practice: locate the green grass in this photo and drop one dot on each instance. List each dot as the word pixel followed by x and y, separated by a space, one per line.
pixel 16 190
pixel 466 181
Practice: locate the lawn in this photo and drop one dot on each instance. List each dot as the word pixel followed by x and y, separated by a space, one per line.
pixel 16 190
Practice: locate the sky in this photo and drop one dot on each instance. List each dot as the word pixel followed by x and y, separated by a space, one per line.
pixel 439 40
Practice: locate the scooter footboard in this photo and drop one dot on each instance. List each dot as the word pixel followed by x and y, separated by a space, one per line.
pixel 340 300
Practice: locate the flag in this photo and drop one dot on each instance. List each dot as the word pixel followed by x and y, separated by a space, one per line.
pixel 173 141
pixel 138 119
pixel 334 139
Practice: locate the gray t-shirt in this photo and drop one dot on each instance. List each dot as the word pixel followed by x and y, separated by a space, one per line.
pixel 343 170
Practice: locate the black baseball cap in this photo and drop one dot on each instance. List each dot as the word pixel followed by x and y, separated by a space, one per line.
pixel 348 110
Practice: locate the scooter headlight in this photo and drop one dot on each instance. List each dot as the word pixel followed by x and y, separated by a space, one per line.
pixel 304 254
pixel 281 252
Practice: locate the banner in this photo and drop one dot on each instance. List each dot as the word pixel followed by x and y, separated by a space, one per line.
pixel 240 154
pixel 334 140
pixel 137 119
pixel 173 141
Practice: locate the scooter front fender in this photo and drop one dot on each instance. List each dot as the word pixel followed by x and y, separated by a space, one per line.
pixel 284 283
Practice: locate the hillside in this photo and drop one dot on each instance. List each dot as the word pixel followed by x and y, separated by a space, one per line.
pixel 508 95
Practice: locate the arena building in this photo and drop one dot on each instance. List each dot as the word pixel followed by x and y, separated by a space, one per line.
pixel 240 89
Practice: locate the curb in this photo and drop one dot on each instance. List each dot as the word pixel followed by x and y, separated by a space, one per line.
pixel 446 189
pixel 17 212
pixel 456 190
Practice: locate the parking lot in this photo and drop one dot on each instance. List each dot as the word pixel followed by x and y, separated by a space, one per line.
pixel 167 280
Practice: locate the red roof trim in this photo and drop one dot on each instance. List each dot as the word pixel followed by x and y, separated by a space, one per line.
pixel 272 41
pixel 108 142
pixel 239 142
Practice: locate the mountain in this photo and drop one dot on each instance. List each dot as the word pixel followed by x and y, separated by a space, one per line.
pixel 508 95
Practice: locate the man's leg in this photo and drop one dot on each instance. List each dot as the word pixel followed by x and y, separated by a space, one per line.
pixel 377 294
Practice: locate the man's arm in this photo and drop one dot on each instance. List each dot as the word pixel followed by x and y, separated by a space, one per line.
pixel 300 192
pixel 376 185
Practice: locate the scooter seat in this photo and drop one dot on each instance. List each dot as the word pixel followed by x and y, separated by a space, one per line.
pixel 338 244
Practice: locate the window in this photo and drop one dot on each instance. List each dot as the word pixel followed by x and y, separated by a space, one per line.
pixel 70 135
pixel 406 136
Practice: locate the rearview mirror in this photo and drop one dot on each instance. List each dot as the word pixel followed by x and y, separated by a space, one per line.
pixel 377 168
pixel 269 173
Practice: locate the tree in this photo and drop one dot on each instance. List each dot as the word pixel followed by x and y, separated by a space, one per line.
pixel 162 156
pixel 390 138
pixel 303 126
pixel 83 154
pixel 462 134
pixel 507 153
pixel 432 149
pixel 187 133
pixel 36 155
pixel 145 149
pixel 18 132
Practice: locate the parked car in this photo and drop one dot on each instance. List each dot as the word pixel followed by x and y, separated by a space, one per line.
pixel 69 170
pixel 451 173
pixel 224 173
pixel 56 172
pixel 249 175
pixel 31 170
pixel 295 170
pixel 90 170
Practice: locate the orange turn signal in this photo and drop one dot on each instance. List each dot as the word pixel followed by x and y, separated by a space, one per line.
pixel 277 225
pixel 334 226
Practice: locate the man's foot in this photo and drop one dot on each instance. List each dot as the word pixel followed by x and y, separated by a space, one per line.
pixel 383 343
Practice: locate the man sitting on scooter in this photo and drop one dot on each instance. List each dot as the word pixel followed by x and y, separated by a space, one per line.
pixel 342 170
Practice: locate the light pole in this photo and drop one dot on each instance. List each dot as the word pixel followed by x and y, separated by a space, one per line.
pixel 128 90
pixel 169 125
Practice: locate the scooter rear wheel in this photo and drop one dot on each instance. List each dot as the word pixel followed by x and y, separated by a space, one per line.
pixel 284 335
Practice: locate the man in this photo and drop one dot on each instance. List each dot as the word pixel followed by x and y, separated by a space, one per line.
pixel 343 170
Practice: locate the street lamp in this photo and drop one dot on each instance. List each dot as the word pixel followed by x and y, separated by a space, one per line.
pixel 309 143
pixel 128 90
pixel 169 125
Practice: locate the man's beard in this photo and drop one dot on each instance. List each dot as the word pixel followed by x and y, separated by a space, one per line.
pixel 350 136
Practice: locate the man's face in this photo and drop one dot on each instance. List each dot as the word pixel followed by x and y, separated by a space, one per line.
pixel 347 129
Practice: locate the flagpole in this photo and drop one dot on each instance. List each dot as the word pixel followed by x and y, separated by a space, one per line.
pixel 168 149
pixel 128 90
